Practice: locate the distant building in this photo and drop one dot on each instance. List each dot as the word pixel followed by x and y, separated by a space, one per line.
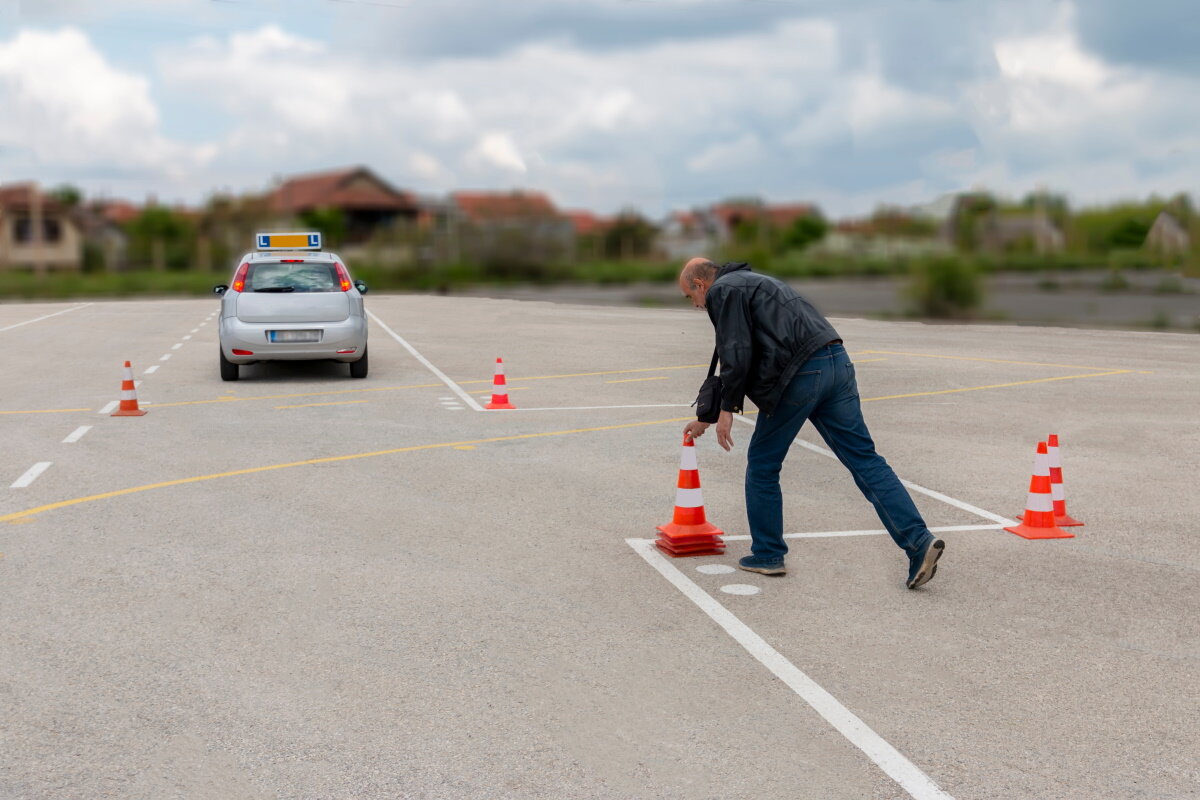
pixel 976 220
pixel 706 230
pixel 367 202
pixel 36 231
pixel 1168 236
pixel 511 225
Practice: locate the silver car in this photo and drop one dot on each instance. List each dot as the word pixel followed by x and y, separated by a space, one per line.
pixel 292 306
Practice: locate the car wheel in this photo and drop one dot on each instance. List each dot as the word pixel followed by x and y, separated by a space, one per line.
pixel 229 370
pixel 358 369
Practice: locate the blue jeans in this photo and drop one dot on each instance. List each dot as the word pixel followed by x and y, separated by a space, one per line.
pixel 826 392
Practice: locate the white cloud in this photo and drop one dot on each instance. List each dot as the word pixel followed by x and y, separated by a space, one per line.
pixel 497 149
pixel 67 107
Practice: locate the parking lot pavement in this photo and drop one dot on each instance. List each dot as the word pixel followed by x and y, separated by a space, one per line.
pixel 300 585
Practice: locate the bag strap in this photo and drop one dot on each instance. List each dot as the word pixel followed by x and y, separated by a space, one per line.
pixel 712 368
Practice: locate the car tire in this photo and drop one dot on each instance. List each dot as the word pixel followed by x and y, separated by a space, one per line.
pixel 229 370
pixel 358 369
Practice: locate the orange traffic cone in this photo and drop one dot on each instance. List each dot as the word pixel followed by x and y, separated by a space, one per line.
pixel 1061 518
pixel 1038 519
pixel 499 388
pixel 689 533
pixel 129 404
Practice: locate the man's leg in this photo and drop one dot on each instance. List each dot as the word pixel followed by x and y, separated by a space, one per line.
pixel 773 435
pixel 840 422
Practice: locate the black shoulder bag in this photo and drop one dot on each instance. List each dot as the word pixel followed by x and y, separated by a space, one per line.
pixel 708 402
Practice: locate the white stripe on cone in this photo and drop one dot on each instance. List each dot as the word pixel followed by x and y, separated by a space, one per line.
pixel 688 459
pixel 128 394
pixel 1056 491
pixel 689 498
pixel 1040 502
pixel 1041 464
pixel 127 372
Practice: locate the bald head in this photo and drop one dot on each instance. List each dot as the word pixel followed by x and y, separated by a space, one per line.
pixel 696 279
pixel 698 268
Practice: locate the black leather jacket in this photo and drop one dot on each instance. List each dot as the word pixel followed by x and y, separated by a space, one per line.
pixel 765 332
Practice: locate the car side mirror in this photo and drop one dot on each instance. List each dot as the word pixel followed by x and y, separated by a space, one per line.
pixel 362 287
pixel 222 289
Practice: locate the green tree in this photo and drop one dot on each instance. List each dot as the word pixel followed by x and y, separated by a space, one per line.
pixel 331 222
pixel 159 228
pixel 67 195
pixel 803 232
pixel 630 236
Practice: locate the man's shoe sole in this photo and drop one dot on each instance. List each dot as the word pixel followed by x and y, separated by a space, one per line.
pixel 765 570
pixel 929 566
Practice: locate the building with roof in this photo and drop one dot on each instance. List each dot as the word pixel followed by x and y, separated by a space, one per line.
pixel 366 201
pixel 511 226
pixel 37 231
pixel 1168 236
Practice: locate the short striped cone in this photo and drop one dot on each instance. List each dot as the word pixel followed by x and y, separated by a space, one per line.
pixel 499 388
pixel 129 404
pixel 1038 519
pixel 689 533
pixel 1061 518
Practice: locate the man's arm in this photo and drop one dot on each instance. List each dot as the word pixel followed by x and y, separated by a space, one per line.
pixel 729 310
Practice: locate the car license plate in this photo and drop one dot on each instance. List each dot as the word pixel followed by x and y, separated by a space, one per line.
pixel 295 336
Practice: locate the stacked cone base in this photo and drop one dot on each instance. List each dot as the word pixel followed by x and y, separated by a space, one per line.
pixel 128 412
pixel 681 541
pixel 1041 528
pixel 502 404
pixel 1065 521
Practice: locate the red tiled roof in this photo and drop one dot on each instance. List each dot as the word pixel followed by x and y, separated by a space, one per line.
pixel 480 206
pixel 117 212
pixel 586 223
pixel 20 195
pixel 333 190
pixel 780 216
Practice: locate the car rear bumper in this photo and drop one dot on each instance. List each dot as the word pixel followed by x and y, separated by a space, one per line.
pixel 252 336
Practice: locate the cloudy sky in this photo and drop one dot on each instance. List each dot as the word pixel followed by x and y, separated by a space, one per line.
pixel 657 104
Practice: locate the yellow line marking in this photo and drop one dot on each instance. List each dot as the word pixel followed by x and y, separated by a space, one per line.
pixel 869 360
pixel 47 411
pixel 465 447
pixel 999 385
pixel 986 360
pixel 19 515
pixel 1145 372
pixel 336 403
pixel 592 374
pixel 300 394
pixel 23 516
pixel 638 380
pixel 508 388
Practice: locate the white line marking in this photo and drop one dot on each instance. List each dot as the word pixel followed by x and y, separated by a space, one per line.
pixel 167 357
pixel 77 434
pixel 195 330
pixel 177 345
pixel 137 384
pixel 740 588
pixel 947 499
pixel 48 316
pixel 31 476
pixel 589 408
pixel 112 404
pixel 185 338
pixel 918 785
pixel 880 532
pixel 151 370
pixel 454 387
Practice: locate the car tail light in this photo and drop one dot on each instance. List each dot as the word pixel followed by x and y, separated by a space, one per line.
pixel 291 261
pixel 348 351
pixel 243 352
pixel 239 280
pixel 343 276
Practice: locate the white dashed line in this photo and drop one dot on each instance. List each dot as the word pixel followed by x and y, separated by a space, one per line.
pixel 195 330
pixel 31 476
pixel 715 569
pixel 740 588
pixel 48 316
pixel 77 434
pixel 910 777
pixel 109 407
pixel 151 370
pixel 185 338
pixel 177 345
pixel 167 357
pixel 877 532
pixel 454 387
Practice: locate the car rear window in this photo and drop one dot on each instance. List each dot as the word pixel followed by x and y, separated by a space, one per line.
pixel 309 276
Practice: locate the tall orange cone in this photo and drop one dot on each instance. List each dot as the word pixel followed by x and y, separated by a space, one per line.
pixel 129 403
pixel 499 388
pixel 1038 519
pixel 1061 517
pixel 689 533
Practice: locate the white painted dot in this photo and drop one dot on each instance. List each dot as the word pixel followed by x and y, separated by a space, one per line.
pixel 715 569
pixel 740 588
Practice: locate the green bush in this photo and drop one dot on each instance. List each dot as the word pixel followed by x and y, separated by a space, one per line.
pixel 1114 281
pixel 945 288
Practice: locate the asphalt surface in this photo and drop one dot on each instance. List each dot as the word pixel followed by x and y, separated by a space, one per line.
pixel 304 586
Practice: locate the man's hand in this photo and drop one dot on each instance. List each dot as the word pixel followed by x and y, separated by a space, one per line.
pixel 695 430
pixel 725 430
